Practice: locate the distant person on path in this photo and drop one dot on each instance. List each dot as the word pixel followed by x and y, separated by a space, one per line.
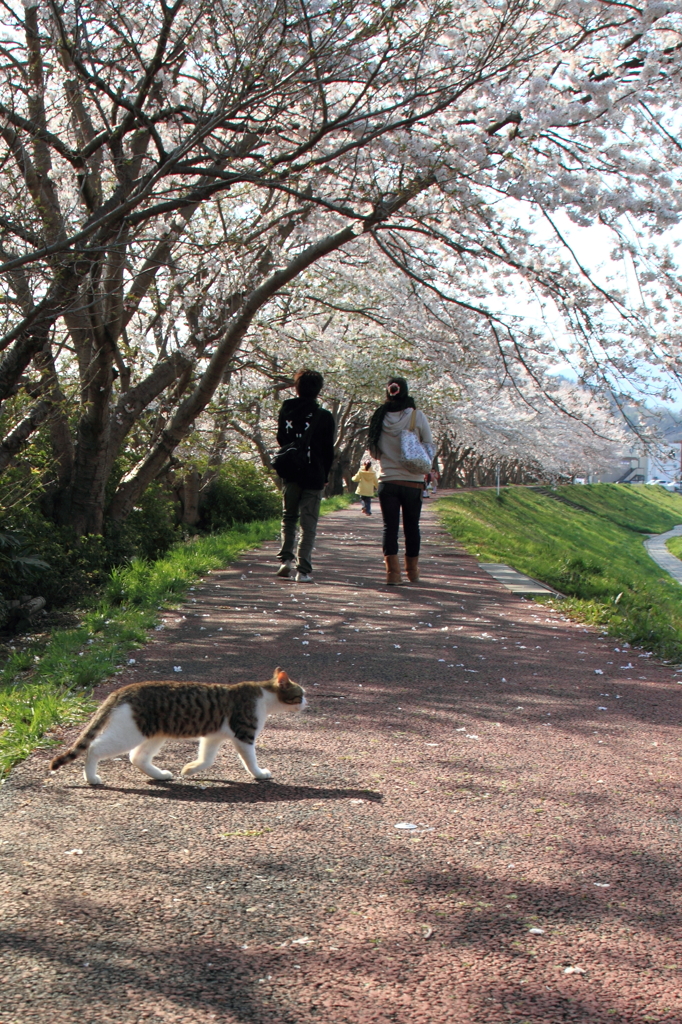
pixel 400 489
pixel 305 424
pixel 367 482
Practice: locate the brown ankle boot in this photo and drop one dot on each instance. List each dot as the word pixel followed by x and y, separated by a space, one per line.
pixel 392 570
pixel 412 569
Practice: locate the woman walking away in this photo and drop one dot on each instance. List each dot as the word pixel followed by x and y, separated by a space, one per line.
pixel 367 482
pixel 401 485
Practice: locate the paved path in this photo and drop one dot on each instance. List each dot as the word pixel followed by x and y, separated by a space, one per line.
pixel 660 554
pixel 545 797
pixel 514 581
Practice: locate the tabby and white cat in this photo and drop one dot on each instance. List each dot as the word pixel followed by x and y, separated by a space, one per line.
pixel 140 718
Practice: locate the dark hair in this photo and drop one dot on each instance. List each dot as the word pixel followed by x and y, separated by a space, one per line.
pixel 396 389
pixel 308 383
pixel 397 399
pixel 368 464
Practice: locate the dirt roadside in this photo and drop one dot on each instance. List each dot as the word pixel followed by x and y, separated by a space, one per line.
pixel 546 800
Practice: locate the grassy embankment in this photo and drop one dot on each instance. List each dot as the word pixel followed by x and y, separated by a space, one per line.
pixel 44 687
pixel 674 546
pixel 594 555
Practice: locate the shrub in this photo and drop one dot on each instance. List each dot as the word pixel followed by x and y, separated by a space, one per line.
pixel 240 493
pixel 19 566
pixel 150 530
pixel 50 560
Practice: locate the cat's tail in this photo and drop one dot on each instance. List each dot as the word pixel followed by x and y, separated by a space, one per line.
pixel 87 736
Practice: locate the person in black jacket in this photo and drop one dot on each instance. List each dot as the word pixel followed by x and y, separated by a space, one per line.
pixel 301 497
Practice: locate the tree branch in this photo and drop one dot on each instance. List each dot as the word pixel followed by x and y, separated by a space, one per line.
pixel 17 438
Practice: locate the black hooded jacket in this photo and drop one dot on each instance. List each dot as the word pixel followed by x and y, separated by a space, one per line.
pixel 294 417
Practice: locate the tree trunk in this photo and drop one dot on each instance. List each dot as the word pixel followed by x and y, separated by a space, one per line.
pixel 85 509
pixel 336 474
pixel 135 483
pixel 189 496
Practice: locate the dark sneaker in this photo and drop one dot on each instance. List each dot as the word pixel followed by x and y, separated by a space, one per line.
pixel 303 577
pixel 285 569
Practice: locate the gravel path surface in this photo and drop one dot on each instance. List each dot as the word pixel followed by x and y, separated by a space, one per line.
pixel 539 764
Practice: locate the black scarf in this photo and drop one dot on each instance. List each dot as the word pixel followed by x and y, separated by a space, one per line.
pixel 376 424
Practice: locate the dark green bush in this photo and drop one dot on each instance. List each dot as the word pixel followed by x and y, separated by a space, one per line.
pixel 240 493
pixel 75 566
pixel 16 560
pixel 150 529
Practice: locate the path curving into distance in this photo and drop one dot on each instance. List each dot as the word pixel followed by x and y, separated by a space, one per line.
pixel 656 547
pixel 538 762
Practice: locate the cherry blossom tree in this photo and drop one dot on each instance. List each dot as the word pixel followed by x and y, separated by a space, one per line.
pixel 358 331
pixel 172 170
pixel 493 435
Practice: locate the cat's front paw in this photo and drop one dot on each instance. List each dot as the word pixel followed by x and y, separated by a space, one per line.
pixel 262 775
pixel 164 775
pixel 94 780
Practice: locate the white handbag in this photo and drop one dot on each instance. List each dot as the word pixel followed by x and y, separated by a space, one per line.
pixel 415 455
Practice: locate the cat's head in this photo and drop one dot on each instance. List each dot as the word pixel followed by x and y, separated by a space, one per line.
pixel 288 692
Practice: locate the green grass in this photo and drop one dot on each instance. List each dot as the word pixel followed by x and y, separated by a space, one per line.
pixel 674 546
pixel 336 502
pixel 595 556
pixel 41 688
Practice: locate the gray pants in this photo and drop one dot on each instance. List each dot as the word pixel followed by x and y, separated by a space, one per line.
pixel 299 503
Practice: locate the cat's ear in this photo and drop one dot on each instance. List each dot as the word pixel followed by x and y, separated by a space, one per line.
pixel 282 679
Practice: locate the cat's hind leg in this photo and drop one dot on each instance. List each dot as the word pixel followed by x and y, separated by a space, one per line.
pixel 142 757
pixel 118 736
pixel 206 755
pixel 247 753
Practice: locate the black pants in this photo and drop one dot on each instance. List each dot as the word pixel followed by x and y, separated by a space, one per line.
pixel 392 498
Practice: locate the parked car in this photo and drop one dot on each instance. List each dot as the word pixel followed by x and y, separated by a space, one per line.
pixel 669 486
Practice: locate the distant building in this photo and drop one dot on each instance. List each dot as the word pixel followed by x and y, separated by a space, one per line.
pixel 641 469
pixel 634 467
pixel 631 469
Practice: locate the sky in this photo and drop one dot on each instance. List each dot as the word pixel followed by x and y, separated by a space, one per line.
pixel 594 247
